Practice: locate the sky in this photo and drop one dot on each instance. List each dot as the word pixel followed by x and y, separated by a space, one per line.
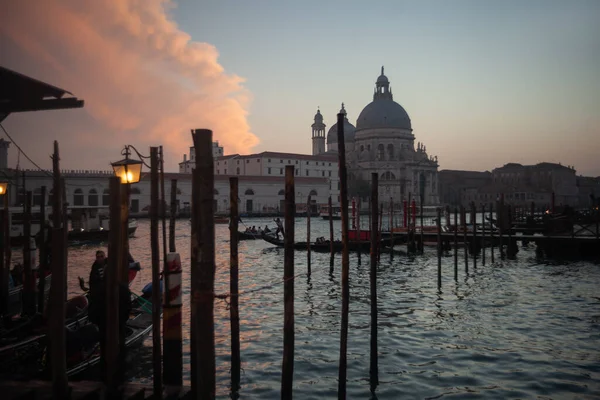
pixel 484 82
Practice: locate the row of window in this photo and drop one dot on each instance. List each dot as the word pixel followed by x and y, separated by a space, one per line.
pixel 280 161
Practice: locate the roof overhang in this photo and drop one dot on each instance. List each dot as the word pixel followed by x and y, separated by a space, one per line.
pixel 20 93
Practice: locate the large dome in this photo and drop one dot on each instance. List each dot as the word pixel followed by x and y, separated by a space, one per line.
pixel 383 113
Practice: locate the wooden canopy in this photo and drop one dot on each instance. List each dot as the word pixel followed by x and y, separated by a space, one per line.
pixel 20 93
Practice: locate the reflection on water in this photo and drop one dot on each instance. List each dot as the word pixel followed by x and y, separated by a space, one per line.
pixel 517 329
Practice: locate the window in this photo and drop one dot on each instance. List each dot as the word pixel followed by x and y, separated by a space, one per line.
pixel 306 172
pixel 289 161
pixel 269 160
pixel 281 192
pixel 296 162
pixel 280 161
pixel 329 173
pixel 93 197
pixel 308 162
pixel 105 197
pixel 217 172
pixel 247 161
pixel 238 162
pixel 269 170
pixel 368 147
pixel 37 197
pixel 225 171
pixel 249 192
pixel 330 164
pixel 297 172
pixel 362 148
pixel 313 192
pixel 280 171
pixel 258 160
pixel 380 152
pixel 323 172
pixel 238 170
pixel 78 197
pixel 390 151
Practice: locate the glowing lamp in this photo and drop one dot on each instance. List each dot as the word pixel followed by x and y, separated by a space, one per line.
pixel 130 171
pixel 3 186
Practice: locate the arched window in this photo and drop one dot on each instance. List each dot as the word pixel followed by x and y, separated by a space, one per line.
pixel 313 192
pixel 362 148
pixel 37 197
pixel 238 170
pixel 281 192
pixel 78 197
pixel 135 190
pixel 390 151
pixel 380 152
pixel 105 197
pixel 92 197
pixel 249 192
pixel 388 176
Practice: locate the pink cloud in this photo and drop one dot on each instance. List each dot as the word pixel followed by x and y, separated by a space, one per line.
pixel 144 81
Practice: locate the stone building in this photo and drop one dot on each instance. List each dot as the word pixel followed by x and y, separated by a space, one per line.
pixel 383 142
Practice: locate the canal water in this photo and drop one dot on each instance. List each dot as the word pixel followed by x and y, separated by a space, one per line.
pixel 525 328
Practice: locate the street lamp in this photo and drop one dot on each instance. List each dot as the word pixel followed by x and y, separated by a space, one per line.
pixel 129 170
pixel 3 187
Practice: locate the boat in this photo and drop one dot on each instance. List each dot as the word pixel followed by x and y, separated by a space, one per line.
pixel 322 245
pixel 249 235
pixel 98 235
pixel 336 212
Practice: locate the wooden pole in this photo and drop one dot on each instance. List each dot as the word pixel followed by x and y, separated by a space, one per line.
pixel 345 258
pixel 287 370
pixel 57 305
pixel 392 226
pixel 173 216
pixel 492 231
pixel 358 233
pixel 234 315
pixel 483 234
pixel 463 212
pixel 408 232
pixel 5 257
pixel 455 244
pixel 4 243
pixel 43 262
pixel 111 287
pixel 308 235
pixel 379 232
pixel 155 249
pixel 203 269
pixel 474 242
pixel 421 212
pixel 29 279
pixel 439 247
pixel 374 370
pixel 330 227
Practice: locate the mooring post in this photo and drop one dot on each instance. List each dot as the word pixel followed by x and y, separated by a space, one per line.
pixel 474 242
pixel 379 231
pixel 439 247
pixel 308 235
pixel 234 312
pixel 374 370
pixel 43 261
pixel 391 226
pixel 421 244
pixel 203 269
pixel 409 234
pixel 455 244
pixel 173 216
pixel 57 305
pixel 172 334
pixel 345 258
pixel 156 295
pixel 492 231
pixel 28 279
pixel 287 371
pixel 483 234
pixel 463 213
pixel 5 254
pixel 358 232
pixel 330 227
pixel 115 257
pixel 3 244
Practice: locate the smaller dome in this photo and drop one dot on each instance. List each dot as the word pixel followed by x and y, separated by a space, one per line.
pixel 318 116
pixel 382 78
pixel 348 133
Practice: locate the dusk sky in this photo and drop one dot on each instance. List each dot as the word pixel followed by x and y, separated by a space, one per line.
pixel 484 82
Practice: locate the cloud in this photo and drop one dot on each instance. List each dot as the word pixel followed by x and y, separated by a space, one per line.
pixel 144 81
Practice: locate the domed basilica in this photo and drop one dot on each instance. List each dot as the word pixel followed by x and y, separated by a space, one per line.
pixel 383 141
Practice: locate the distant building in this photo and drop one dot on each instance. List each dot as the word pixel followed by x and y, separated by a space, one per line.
pixel 455 183
pixel 589 191
pixel 382 142
pixel 187 165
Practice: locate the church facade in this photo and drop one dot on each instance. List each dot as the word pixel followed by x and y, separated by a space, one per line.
pixel 382 142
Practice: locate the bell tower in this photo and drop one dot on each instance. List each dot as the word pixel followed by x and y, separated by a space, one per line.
pixel 318 134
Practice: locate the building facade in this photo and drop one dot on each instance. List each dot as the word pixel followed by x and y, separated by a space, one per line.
pixel 383 142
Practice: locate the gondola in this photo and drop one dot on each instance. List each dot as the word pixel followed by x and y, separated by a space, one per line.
pixel 324 246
